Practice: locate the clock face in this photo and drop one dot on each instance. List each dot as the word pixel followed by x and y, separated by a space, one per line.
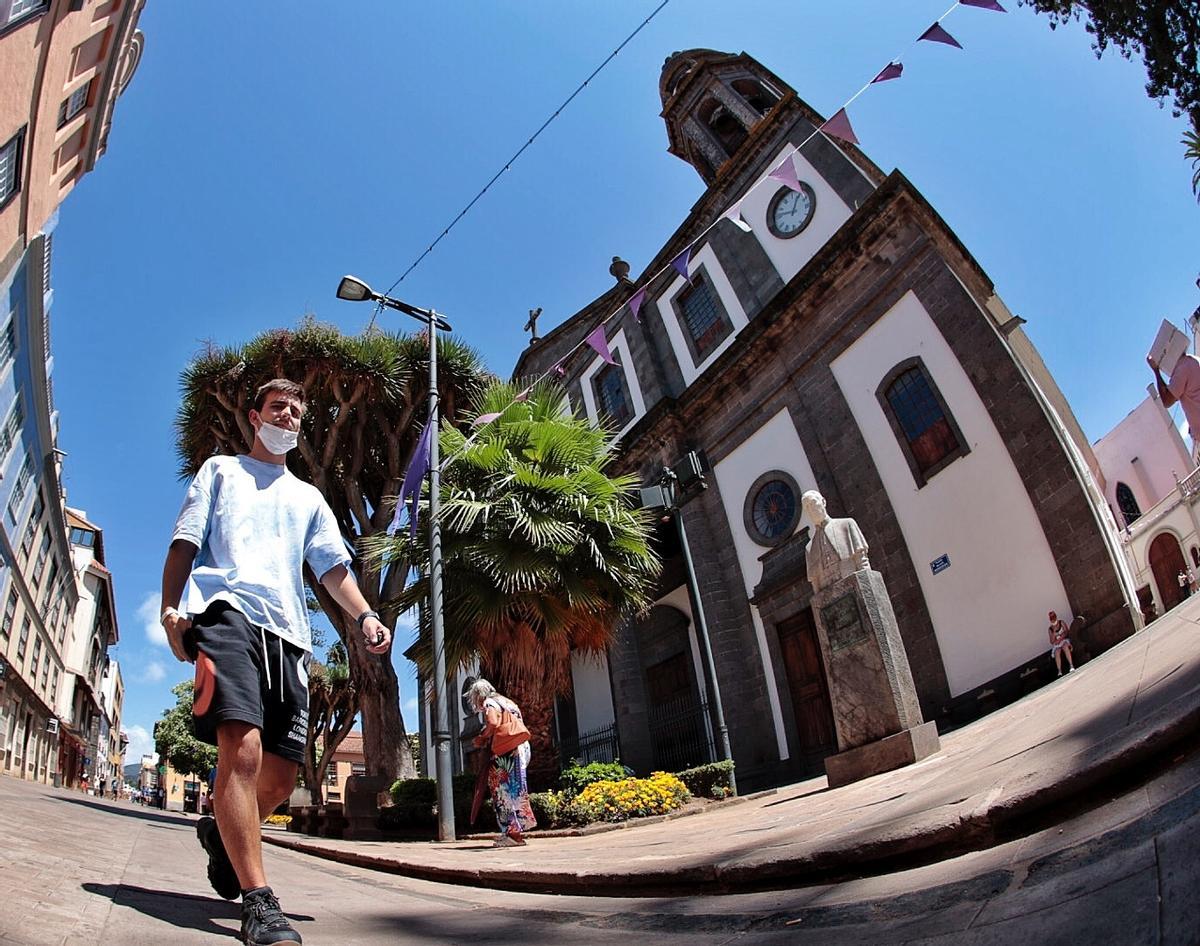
pixel 791 211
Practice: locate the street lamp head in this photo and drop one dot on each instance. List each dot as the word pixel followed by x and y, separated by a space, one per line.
pixel 353 289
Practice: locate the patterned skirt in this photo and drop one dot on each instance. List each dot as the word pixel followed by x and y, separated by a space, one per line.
pixel 510 792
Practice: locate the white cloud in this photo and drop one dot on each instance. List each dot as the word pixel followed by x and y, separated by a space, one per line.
pixel 148 614
pixel 141 743
pixel 154 671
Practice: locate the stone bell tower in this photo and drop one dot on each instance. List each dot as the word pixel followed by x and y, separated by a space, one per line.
pixel 711 103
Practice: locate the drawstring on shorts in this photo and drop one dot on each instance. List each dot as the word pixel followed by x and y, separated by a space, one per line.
pixel 267 662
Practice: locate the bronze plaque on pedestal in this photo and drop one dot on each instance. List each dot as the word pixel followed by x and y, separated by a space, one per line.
pixel 843 625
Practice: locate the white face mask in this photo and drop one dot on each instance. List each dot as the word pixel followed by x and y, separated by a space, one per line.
pixel 277 440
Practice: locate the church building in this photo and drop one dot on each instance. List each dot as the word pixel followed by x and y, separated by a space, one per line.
pixel 846 342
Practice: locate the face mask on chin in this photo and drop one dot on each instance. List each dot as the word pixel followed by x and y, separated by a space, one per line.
pixel 277 440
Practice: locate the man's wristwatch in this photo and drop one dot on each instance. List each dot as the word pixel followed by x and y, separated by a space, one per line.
pixel 366 614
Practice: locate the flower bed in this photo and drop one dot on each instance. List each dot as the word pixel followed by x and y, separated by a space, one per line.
pixel 633 797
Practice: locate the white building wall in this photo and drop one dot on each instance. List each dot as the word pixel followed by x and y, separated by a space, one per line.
pixel 790 255
pixel 988 608
pixel 774 446
pixel 593 692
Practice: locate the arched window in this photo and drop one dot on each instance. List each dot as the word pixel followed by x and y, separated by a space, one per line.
pixel 756 95
pixel 920 419
pixel 1128 504
pixel 612 395
pixel 728 131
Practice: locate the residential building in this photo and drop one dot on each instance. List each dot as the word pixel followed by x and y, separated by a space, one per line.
pixel 1152 484
pixel 63 63
pixel 835 335
pixel 346 761
pixel 87 720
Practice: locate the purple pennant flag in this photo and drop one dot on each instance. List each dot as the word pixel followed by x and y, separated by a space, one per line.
pixel 523 396
pixel 635 303
pixel 734 215
pixel 785 173
pixel 984 5
pixel 559 371
pixel 600 344
pixel 893 70
pixel 418 466
pixel 935 34
pixel 483 419
pixel 839 127
pixel 681 261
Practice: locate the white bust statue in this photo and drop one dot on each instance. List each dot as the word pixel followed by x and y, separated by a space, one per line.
pixel 837 547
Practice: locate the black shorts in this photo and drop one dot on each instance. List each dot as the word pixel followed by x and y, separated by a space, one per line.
pixel 247 675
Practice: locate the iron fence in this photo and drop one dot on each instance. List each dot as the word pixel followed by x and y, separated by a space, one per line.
pixel 599 745
pixel 681 734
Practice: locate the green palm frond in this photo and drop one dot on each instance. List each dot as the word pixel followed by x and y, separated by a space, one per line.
pixel 539 543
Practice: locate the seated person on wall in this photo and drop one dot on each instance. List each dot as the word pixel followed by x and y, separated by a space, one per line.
pixel 1060 643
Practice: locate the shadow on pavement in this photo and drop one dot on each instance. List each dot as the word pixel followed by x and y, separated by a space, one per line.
pixel 191 911
pixel 140 813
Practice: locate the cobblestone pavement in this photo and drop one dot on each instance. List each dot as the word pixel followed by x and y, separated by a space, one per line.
pixel 79 870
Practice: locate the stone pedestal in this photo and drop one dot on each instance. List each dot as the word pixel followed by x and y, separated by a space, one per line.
pixel 876 713
pixel 361 810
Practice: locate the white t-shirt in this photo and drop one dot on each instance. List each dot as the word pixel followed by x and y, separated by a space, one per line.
pixel 255 525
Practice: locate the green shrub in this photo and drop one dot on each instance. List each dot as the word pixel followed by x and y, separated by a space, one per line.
pixel 709 781
pixel 414 791
pixel 557 810
pixel 632 797
pixel 575 777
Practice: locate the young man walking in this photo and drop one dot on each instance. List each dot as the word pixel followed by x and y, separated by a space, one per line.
pixel 233 603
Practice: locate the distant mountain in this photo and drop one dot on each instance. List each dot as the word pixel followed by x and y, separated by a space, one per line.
pixel 132 771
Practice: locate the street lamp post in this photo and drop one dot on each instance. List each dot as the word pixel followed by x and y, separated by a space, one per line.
pixel 668 481
pixel 355 290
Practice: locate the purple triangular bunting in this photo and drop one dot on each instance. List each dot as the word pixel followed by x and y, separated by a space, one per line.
pixel 984 5
pixel 785 173
pixel 839 127
pixel 483 420
pixel 635 303
pixel 681 261
pixel 935 34
pixel 893 70
pixel 597 340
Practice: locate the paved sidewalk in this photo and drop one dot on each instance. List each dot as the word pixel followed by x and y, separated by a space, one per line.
pixel 1106 728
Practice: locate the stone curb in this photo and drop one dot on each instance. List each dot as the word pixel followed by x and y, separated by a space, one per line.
pixel 1004 812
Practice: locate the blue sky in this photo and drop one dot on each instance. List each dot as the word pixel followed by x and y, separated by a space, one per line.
pixel 258 155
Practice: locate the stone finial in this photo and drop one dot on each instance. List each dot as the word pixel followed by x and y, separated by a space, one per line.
pixel 619 270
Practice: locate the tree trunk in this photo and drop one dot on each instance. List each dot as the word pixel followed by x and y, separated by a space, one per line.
pixel 385 746
pixel 537 710
pixel 313 782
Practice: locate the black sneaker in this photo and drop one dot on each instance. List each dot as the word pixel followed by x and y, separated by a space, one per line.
pixel 221 874
pixel 263 923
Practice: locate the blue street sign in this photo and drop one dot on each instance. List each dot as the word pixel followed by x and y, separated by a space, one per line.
pixel 939 564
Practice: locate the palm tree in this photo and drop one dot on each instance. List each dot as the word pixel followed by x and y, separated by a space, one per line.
pixel 544 551
pixel 332 708
pixel 366 407
pixel 1191 141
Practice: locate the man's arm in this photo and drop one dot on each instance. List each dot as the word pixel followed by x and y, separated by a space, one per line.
pixel 1164 392
pixel 176 569
pixel 340 583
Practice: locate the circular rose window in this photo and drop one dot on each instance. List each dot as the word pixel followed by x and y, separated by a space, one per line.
pixel 772 508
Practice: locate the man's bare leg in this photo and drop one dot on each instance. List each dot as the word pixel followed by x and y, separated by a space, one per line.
pixel 240 759
pixel 276 782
